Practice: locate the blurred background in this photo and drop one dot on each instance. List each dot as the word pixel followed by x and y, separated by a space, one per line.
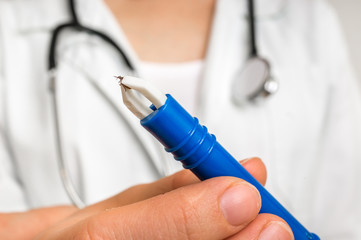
pixel 349 12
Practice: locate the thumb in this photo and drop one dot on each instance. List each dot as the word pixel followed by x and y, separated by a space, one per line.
pixel 213 209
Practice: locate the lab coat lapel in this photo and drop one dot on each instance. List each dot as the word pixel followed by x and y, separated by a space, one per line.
pixel 225 31
pixel 99 63
pixel 47 14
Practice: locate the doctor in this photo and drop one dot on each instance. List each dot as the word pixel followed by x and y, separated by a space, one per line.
pixel 308 134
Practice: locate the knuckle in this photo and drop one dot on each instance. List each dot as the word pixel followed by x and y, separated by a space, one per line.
pixel 132 194
pixel 187 218
pixel 85 231
pixel 91 230
pixel 179 179
pixel 136 189
pixel 4 221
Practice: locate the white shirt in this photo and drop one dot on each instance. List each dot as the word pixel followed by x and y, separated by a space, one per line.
pixel 181 80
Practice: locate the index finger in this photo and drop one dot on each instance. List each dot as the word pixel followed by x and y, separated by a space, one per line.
pixel 183 178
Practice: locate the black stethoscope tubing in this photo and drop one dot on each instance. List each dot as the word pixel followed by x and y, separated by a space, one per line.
pixel 76 25
pixel 252 29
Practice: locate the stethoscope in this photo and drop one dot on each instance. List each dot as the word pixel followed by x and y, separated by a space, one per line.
pixel 251 83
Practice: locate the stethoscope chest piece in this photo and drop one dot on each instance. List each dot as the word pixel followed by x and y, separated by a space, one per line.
pixel 253 82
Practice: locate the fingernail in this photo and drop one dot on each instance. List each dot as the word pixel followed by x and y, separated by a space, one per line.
pixel 276 231
pixel 240 204
pixel 245 160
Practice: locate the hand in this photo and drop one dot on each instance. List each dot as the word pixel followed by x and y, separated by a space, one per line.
pixel 177 207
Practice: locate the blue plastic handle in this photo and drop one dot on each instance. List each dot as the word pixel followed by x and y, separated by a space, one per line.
pixel 199 151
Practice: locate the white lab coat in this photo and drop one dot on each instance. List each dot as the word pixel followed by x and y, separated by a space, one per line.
pixel 308 134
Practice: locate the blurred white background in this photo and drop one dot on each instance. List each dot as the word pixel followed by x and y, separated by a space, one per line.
pixel 349 12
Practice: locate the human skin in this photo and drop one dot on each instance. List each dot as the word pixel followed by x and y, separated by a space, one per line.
pixel 163 30
pixel 175 207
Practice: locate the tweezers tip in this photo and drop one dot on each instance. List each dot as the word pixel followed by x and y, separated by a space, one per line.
pixel 120 79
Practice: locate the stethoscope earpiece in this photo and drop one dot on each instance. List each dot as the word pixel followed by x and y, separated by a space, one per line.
pixel 253 82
